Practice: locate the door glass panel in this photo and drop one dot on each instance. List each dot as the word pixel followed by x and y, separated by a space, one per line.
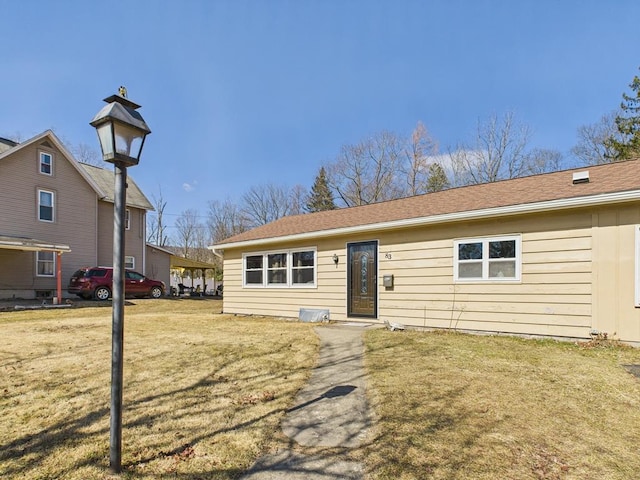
pixel 362 278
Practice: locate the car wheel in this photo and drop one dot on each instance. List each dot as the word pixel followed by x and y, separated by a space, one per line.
pixel 102 293
pixel 156 292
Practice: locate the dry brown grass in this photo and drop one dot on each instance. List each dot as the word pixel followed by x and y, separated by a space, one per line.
pixel 453 406
pixel 203 392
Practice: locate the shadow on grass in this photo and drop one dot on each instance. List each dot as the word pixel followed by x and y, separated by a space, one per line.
pixel 22 457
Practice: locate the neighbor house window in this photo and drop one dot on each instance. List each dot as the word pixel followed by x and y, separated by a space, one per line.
pixel 487 259
pixel 286 268
pixel 45 205
pixel 129 262
pixel 46 163
pixel 46 264
pixel 127 219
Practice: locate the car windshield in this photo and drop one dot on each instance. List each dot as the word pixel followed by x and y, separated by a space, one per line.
pixel 79 273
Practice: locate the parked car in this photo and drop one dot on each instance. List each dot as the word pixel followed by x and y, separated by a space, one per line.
pixel 97 282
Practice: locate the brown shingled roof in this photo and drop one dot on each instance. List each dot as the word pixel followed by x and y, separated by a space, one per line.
pixel 609 178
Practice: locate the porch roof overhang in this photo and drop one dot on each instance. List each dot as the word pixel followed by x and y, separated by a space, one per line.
pixel 189 264
pixel 31 245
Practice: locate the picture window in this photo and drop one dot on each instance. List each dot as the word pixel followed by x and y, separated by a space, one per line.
pixel 289 268
pixel 487 259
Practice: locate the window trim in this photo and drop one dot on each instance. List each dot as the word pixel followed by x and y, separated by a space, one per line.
pixel 39 261
pixel 127 219
pixel 486 261
pixel 132 262
pixel 289 252
pixel 41 154
pixel 53 205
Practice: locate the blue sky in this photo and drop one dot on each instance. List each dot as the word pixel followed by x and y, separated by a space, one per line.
pixel 241 93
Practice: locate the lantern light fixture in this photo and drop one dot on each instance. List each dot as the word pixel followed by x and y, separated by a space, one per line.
pixel 121 130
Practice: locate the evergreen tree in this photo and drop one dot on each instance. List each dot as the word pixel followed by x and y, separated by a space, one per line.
pixel 628 124
pixel 437 178
pixel 320 198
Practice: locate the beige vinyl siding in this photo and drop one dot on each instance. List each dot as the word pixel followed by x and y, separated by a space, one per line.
pixel 286 302
pixel 554 296
pixel 614 281
pixel 75 214
pixel 577 275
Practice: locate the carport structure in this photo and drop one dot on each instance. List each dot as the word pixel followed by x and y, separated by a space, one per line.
pixel 191 266
pixel 26 244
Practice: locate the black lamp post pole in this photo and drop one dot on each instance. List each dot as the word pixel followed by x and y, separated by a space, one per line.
pixel 121 131
pixel 117 335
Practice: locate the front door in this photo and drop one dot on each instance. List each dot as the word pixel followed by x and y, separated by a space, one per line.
pixel 362 279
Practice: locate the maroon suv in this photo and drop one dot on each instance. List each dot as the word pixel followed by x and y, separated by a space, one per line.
pixel 97 282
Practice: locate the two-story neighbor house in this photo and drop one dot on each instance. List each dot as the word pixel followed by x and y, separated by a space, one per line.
pixel 551 255
pixel 56 215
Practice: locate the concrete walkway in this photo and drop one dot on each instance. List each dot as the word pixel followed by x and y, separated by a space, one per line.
pixel 330 411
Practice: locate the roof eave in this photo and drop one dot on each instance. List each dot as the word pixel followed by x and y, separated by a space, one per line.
pixel 525 208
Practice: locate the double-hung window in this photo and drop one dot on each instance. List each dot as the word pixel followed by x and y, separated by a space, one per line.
pixel 129 262
pixel 45 264
pixel 285 268
pixel 46 205
pixel 46 163
pixel 492 259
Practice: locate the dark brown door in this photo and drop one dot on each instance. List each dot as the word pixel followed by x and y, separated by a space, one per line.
pixel 362 279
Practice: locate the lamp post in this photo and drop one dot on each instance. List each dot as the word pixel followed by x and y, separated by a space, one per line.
pixel 121 131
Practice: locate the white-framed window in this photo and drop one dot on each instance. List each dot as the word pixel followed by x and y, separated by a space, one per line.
pixel 46 206
pixel 637 269
pixel 129 262
pixel 487 259
pixel 280 268
pixel 45 264
pixel 46 163
pixel 127 219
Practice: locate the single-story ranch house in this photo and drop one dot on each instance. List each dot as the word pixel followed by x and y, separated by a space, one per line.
pixel 550 255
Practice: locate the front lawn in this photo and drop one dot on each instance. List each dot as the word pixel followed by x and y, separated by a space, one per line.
pixel 454 406
pixel 203 392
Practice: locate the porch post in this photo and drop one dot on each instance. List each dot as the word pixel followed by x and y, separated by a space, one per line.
pixel 59 277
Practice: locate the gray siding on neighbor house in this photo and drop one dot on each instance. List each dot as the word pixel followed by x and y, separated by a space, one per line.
pixel 134 237
pixel 74 222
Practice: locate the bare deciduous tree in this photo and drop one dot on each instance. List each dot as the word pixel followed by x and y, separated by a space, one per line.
pixel 224 220
pixel 496 153
pixel 156 229
pixel 594 146
pixel 541 160
pixel 415 167
pixel 297 199
pixel 367 172
pixel 187 236
pixel 86 154
pixel 263 204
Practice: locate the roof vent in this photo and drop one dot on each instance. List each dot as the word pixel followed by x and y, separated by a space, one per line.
pixel 581 177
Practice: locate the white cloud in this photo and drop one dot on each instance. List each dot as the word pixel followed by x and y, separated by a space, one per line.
pixel 188 187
